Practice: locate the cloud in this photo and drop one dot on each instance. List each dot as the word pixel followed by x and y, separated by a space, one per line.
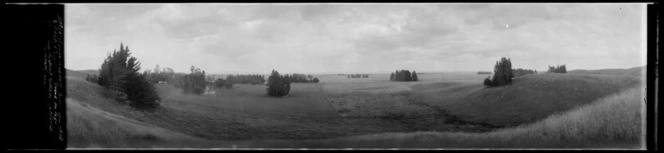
pixel 357 37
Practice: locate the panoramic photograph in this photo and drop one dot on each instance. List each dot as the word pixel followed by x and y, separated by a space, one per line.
pixel 358 76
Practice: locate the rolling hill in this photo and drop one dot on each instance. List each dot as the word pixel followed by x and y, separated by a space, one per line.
pixel 80 73
pixel 529 98
pixel 556 108
pixel 635 71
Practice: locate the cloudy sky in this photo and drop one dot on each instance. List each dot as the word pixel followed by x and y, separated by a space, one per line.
pixel 349 38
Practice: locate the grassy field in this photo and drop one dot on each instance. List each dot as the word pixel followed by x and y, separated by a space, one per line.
pixel 342 112
pixel 527 99
pixel 615 121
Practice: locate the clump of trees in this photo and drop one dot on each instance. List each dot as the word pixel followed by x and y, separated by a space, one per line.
pixel 521 72
pixel 278 85
pixel 558 69
pixel 221 83
pixel 358 75
pixel 245 79
pixel 158 74
pixel 302 78
pixel 483 72
pixel 503 73
pixel 403 75
pixel 92 78
pixel 194 82
pixel 119 73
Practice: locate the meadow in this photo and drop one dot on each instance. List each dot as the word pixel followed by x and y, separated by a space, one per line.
pixel 450 110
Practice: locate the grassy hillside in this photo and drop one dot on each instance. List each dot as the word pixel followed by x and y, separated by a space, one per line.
pixel 80 73
pixel 91 127
pixel 246 117
pixel 615 121
pixel 635 71
pixel 529 98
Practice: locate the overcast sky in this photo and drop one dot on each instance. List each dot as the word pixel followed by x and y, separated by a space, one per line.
pixel 363 38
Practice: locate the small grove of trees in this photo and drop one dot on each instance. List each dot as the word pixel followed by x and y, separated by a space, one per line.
pixel 483 72
pixel 245 79
pixel 92 78
pixel 503 73
pixel 221 83
pixel 194 82
pixel 119 73
pixel 302 78
pixel 558 69
pixel 358 75
pixel 278 85
pixel 403 75
pixel 158 74
pixel 521 72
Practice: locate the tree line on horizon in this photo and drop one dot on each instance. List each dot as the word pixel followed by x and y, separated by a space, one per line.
pixel 357 76
pixel 558 69
pixel 119 75
pixel 403 75
pixel 504 74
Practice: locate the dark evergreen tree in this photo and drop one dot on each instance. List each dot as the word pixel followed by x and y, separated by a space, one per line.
pixel 278 85
pixel 407 75
pixel 414 77
pixel 119 73
pixel 503 72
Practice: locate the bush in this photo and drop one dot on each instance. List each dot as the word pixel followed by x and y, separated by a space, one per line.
pixel 119 74
pixel 487 82
pixel 278 85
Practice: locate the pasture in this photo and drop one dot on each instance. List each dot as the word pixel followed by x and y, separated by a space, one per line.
pixel 362 110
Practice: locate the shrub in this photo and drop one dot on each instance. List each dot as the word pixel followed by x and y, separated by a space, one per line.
pixel 278 85
pixel 487 82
